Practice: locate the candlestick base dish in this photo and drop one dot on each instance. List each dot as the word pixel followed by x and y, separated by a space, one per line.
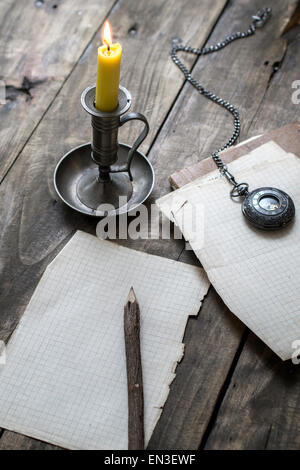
pixel 94 194
pixel 76 182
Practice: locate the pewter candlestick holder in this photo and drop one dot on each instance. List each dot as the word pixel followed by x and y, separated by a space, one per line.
pixel 105 177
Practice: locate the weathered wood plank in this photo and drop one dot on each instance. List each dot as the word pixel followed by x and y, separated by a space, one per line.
pixel 33 201
pixel 12 441
pixel 261 408
pixel 286 136
pixel 194 128
pixel 40 43
pixel 34 225
pixel 211 341
pixel 180 417
pixel 187 420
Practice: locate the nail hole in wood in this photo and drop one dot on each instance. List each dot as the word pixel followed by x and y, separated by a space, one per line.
pixel 276 66
pixel 133 30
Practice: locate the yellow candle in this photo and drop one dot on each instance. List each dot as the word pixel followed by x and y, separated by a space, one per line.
pixel 108 72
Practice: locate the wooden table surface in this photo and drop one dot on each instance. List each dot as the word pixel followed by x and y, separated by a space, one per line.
pixel 231 391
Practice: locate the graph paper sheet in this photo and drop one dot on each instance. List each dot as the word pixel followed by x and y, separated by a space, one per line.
pixel 256 273
pixel 65 380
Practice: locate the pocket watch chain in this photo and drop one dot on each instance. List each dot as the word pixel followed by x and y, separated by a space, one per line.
pixel 258 20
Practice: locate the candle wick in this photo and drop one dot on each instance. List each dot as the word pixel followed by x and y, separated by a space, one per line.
pixel 108 47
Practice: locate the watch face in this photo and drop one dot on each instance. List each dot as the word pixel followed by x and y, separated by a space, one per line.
pixel 268 208
pixel 269 203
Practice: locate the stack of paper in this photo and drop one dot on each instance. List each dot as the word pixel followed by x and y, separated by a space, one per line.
pixel 256 273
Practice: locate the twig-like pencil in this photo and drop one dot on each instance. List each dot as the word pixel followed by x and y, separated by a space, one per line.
pixel 134 373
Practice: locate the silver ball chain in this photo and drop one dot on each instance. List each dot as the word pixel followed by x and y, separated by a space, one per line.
pixel 258 20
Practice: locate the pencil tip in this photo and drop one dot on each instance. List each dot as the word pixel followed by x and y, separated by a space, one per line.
pixel 131 296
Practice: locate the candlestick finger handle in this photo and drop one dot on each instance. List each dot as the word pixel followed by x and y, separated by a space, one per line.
pixel 139 140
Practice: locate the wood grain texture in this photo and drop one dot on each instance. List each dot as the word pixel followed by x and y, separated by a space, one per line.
pixel 35 225
pixel 28 198
pixel 12 441
pixel 194 128
pixel 211 342
pixel 286 136
pixel 40 43
pixel 261 408
pixel 136 435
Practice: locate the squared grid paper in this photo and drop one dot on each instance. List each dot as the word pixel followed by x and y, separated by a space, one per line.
pixel 65 376
pixel 256 273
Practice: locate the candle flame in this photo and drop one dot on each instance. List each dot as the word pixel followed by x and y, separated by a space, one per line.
pixel 106 34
